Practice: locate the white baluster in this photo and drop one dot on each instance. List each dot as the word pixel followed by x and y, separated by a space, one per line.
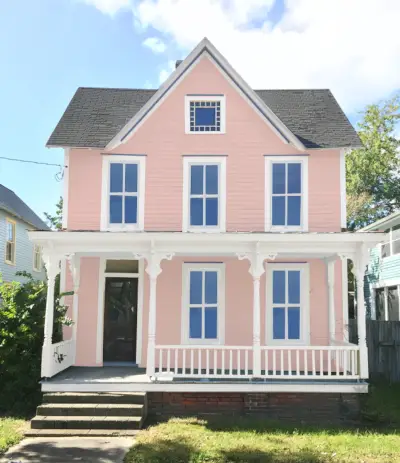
pixel 297 362
pixel 191 362
pixel 273 362
pixel 230 362
pixel 176 362
pixel 313 361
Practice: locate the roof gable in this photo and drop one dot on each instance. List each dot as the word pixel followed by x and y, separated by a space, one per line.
pixel 14 205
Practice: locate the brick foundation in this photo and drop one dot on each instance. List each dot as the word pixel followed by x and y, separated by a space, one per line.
pixel 287 407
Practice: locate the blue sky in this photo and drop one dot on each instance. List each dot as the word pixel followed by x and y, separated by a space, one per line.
pixel 50 47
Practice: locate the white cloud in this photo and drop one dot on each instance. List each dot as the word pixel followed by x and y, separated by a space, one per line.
pixel 349 46
pixel 109 6
pixel 155 44
pixel 166 72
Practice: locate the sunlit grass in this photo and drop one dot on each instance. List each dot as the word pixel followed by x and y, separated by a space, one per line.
pixel 11 432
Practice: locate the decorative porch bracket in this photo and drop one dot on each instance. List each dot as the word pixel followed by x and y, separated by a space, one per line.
pixel 52 264
pixel 256 259
pixel 153 269
pixel 360 263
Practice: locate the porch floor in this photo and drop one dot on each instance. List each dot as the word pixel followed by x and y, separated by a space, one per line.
pixel 134 379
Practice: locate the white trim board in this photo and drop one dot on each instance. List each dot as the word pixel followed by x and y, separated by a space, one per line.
pixel 356 388
pixel 207 48
pixel 343 203
pixel 65 189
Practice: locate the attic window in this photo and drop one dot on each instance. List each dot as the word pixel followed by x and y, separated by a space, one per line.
pixel 205 114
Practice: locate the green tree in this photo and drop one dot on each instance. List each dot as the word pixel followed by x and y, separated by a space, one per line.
pixel 55 221
pixel 373 186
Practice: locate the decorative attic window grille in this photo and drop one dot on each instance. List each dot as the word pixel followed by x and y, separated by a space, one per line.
pixel 205 114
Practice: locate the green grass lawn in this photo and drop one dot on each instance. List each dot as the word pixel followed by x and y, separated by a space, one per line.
pixel 11 432
pixel 194 440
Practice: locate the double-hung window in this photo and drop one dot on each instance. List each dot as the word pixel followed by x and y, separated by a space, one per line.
pixel 203 303
pixel 10 242
pixel 204 193
pixel 123 192
pixel 391 247
pixel 205 114
pixel 288 303
pixel 286 193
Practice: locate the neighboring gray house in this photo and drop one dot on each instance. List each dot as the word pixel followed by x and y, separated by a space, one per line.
pixel 382 281
pixel 17 253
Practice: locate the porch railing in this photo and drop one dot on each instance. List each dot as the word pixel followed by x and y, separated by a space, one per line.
pixel 57 357
pixel 277 362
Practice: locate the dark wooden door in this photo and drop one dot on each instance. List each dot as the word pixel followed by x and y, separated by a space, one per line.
pixel 120 320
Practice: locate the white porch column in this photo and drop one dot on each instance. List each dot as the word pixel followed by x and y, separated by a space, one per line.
pixel 360 264
pixel 330 266
pixel 75 268
pixel 153 269
pixel 256 270
pixel 52 263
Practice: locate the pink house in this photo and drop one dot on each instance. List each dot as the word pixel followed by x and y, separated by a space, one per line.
pixel 204 238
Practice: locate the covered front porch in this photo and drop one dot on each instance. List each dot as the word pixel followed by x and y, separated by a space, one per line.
pixel 245 356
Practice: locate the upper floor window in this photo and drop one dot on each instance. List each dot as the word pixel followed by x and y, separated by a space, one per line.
pixel 286 193
pixel 205 114
pixel 37 258
pixel 204 199
pixel 391 247
pixel 123 192
pixel 10 242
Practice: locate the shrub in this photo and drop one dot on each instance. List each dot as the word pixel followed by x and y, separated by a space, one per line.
pixel 22 313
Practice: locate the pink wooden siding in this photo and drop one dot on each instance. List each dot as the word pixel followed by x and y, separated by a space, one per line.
pixel 238 305
pixel 248 138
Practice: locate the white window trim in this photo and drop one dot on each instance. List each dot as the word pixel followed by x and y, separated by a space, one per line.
pixel 268 193
pixel 14 224
pixel 383 284
pixel 35 247
pixel 390 242
pixel 304 340
pixel 201 160
pixel 222 101
pixel 186 269
pixel 126 159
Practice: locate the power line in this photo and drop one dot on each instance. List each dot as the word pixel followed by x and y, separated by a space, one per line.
pixel 33 162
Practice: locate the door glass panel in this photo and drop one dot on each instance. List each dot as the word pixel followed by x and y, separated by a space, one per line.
pixel 211 287
pixel 294 286
pixel 278 287
pixel 131 176
pixel 210 322
pixel 120 319
pixel 196 180
pixel 294 323
pixel 195 322
pixel 212 180
pixel 279 323
pixel 196 282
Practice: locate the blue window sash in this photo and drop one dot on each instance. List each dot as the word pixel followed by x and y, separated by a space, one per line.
pixel 123 195
pixel 204 196
pixel 285 202
pixel 292 299
pixel 206 302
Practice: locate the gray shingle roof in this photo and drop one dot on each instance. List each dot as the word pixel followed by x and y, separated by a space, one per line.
pixel 14 205
pixel 95 115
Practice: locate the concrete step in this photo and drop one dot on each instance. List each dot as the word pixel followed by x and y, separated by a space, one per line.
pixel 90 409
pixel 95 397
pixel 87 422
pixel 81 433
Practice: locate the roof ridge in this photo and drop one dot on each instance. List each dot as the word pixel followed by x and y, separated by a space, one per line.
pixel 292 89
pixel 120 88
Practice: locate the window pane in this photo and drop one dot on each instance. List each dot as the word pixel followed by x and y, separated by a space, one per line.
pixel 116 171
pixel 278 210
pixel 278 284
pixel 294 323
pixel 9 252
pixel 205 116
pixel 131 177
pixel 393 303
pixel 294 178
pixel 396 232
pixel 115 209
pixel 196 211
pixel 212 211
pixel 385 250
pixel 212 180
pixel 294 286
pixel 294 208
pixel 211 279
pixel 196 279
pixel 195 322
pixel 10 232
pixel 396 246
pixel 196 180
pixel 210 323
pixel 130 209
pixel 379 304
pixel 279 323
pixel 278 178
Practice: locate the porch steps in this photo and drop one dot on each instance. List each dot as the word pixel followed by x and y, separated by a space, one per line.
pixel 89 414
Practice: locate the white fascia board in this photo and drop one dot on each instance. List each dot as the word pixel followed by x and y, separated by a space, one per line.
pixel 204 46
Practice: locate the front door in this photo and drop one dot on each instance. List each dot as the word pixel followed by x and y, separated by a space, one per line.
pixel 120 319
